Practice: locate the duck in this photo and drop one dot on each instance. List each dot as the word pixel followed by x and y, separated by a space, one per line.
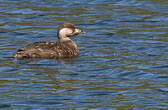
pixel 63 48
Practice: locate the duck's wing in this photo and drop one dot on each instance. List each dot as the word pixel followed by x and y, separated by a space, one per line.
pixel 37 50
pixel 40 45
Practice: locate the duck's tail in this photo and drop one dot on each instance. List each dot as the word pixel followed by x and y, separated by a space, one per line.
pixel 19 55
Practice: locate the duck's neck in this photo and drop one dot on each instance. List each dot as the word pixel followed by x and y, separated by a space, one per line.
pixel 64 39
pixel 68 41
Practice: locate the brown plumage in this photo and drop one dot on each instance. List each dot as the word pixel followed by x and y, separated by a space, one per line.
pixel 65 47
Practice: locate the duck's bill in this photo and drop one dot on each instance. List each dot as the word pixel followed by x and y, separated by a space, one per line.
pixel 79 31
pixel 82 32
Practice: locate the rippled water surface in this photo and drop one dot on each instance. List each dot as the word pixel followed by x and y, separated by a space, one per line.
pixel 123 61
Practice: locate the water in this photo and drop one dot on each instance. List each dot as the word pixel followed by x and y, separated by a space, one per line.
pixel 123 63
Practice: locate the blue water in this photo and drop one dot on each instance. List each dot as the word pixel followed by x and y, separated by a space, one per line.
pixel 123 63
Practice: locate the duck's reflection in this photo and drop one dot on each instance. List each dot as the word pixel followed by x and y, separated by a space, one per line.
pixel 47 62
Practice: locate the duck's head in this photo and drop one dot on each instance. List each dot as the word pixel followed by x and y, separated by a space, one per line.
pixel 67 30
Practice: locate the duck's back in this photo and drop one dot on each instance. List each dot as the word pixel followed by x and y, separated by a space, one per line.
pixel 49 50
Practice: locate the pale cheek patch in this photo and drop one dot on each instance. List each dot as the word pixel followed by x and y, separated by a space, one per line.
pixel 65 31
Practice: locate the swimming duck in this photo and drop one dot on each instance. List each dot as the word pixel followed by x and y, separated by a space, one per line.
pixel 64 48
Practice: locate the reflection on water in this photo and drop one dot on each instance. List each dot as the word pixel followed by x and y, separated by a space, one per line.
pixel 122 62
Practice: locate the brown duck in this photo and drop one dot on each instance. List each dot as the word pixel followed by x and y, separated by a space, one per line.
pixel 64 48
